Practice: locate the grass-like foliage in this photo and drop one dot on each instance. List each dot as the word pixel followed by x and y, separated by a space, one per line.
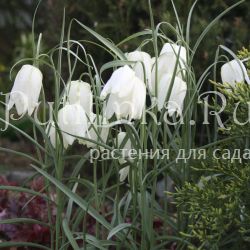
pixel 116 200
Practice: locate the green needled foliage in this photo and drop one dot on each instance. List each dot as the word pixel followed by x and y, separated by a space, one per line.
pixel 216 201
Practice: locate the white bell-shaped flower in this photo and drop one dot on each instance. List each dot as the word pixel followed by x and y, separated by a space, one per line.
pixel 142 67
pixel 97 131
pixel 80 92
pixel 72 122
pixel 127 94
pixel 233 72
pixel 26 90
pixel 125 153
pixel 174 48
pixel 167 61
pixel 177 96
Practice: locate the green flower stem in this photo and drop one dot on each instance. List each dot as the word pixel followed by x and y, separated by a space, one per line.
pixel 59 164
pixel 38 47
pixel 97 204
pixel 59 203
pixel 154 129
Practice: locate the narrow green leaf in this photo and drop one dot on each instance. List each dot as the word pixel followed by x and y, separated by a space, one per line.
pixel 117 229
pixel 22 244
pixel 106 42
pixel 211 24
pixel 24 134
pixel 189 22
pixel 24 190
pixel 136 35
pixel 20 154
pixel 77 199
pixel 70 202
pixel 69 235
pixel 94 241
pixel 23 220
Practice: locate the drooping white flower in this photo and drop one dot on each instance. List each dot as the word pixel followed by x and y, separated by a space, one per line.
pixel 72 122
pixel 124 173
pixel 167 61
pixel 233 72
pixel 97 131
pixel 171 49
pixel 80 92
pixel 26 90
pixel 125 153
pixel 177 96
pixel 174 48
pixel 142 67
pixel 127 94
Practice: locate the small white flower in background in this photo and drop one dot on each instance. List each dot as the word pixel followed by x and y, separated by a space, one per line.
pixel 26 90
pixel 177 96
pixel 174 49
pixel 51 132
pixel 96 131
pixel 124 173
pixel 80 92
pixel 167 61
pixel 142 59
pixel 163 185
pixel 72 120
pixel 233 72
pixel 204 179
pixel 171 49
pixel 127 146
pixel 127 94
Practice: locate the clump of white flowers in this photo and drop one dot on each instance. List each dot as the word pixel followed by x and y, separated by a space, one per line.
pixel 124 94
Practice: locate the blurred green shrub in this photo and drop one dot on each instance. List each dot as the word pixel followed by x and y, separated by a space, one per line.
pixel 217 202
pixel 117 19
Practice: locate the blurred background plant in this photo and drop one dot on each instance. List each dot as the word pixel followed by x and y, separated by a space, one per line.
pixel 116 19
